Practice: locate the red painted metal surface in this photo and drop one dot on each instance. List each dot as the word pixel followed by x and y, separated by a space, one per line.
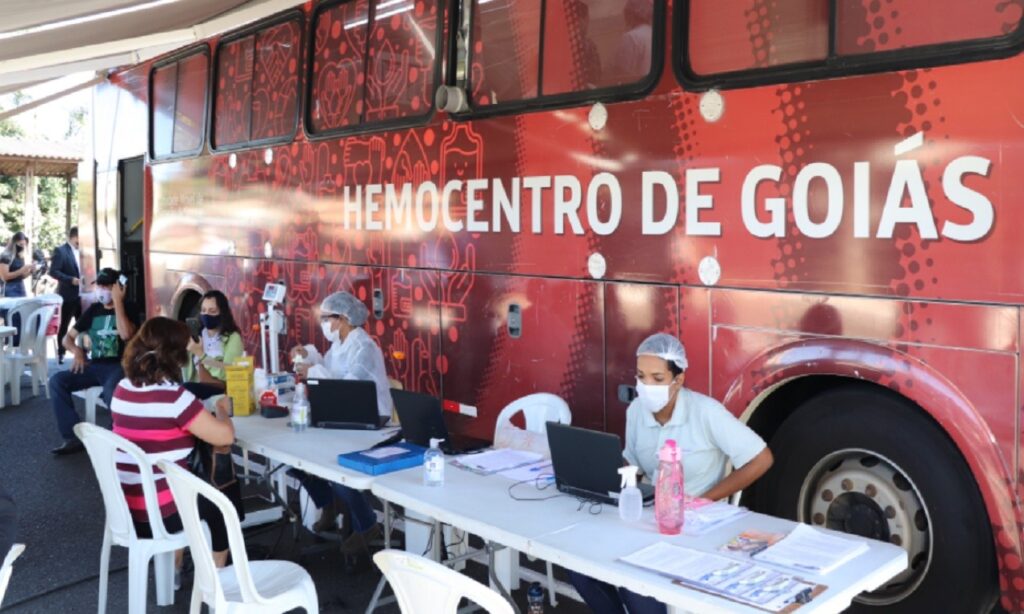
pixel 930 311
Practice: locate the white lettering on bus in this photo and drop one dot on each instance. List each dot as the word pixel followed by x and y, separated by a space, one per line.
pixel 818 199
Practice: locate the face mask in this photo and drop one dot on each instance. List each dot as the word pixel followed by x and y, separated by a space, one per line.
pixel 653 398
pixel 103 296
pixel 332 335
pixel 210 322
pixel 21 249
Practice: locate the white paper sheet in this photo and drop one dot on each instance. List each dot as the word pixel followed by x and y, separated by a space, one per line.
pixel 385 452
pixel 540 471
pixel 808 549
pixel 494 461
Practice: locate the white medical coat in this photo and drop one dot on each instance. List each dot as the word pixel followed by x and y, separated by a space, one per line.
pixel 358 357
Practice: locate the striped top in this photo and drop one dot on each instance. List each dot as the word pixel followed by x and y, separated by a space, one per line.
pixel 155 418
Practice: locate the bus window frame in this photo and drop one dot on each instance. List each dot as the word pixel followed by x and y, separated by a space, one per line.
pixel 835 65
pixel 412 121
pixel 254 30
pixel 615 93
pixel 203 48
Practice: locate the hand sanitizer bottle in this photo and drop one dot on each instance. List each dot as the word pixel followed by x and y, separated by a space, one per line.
pixel 631 502
pixel 433 465
pixel 299 409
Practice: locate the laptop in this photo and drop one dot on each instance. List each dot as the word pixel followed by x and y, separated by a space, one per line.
pixel 586 463
pixel 422 419
pixel 344 404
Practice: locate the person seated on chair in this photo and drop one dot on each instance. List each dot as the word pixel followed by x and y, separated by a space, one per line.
pixel 710 436
pixel 109 327
pixel 219 345
pixel 152 409
pixel 353 355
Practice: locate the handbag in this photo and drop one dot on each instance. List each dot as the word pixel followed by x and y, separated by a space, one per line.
pixel 215 468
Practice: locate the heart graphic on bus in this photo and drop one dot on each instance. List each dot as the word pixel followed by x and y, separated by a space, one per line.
pixel 336 90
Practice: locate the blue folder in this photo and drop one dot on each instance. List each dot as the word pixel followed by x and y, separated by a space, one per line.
pixel 363 461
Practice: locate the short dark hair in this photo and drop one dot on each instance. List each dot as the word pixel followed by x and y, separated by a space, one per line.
pixel 73 232
pixel 227 319
pixel 157 352
pixel 108 277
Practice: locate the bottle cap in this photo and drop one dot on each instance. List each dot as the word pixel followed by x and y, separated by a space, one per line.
pixel 434 443
pixel 669 452
pixel 628 474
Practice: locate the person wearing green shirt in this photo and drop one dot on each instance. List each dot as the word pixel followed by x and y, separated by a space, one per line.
pixel 219 345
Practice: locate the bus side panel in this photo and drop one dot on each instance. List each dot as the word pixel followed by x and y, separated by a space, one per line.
pixel 632 312
pixel 695 332
pixel 489 361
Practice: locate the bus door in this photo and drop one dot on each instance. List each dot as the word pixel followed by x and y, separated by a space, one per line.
pixel 131 206
pixel 632 313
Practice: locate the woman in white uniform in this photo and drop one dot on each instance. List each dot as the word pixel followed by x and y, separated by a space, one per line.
pixel 709 436
pixel 353 355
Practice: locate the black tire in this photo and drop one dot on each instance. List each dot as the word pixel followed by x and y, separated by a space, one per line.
pixel 960 574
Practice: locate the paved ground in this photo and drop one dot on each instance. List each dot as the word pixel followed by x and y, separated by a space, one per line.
pixel 61 520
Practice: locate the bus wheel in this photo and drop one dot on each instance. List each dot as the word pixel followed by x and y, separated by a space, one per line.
pixel 866 461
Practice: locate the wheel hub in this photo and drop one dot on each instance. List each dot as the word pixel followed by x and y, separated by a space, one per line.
pixel 860 492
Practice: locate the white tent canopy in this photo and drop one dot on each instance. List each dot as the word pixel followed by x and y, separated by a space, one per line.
pixel 41 40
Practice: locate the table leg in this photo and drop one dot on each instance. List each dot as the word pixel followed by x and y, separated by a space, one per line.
pixel 492 548
pixel 505 567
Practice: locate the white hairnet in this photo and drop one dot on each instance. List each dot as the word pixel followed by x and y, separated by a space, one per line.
pixel 664 346
pixel 344 304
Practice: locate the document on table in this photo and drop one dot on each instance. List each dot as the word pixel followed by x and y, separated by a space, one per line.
pixel 808 549
pixel 494 461
pixel 740 581
pixel 385 452
pixel 541 470
pixel 703 515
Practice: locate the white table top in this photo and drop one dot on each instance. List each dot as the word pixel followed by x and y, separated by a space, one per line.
pixel 557 530
pixel 314 451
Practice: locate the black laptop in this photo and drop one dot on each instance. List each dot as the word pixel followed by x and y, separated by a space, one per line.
pixel 344 404
pixel 586 463
pixel 422 419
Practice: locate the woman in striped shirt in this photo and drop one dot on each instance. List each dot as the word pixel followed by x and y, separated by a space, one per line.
pixel 152 409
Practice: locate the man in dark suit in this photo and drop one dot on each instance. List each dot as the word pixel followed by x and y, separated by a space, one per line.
pixel 65 267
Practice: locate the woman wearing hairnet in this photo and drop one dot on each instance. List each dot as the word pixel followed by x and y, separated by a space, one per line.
pixel 709 436
pixel 355 356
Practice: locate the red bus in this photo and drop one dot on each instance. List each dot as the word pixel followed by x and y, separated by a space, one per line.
pixel 815 195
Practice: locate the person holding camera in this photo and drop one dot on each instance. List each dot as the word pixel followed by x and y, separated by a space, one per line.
pixel 216 342
pixel 109 328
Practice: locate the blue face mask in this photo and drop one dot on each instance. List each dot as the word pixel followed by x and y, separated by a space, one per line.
pixel 210 322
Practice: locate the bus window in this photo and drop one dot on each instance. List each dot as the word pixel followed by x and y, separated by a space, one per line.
pixel 232 106
pixel 275 91
pixel 257 86
pixel 733 36
pixel 165 82
pixel 400 75
pixel 865 26
pixel 596 45
pixel 190 105
pixel 505 39
pixel 337 82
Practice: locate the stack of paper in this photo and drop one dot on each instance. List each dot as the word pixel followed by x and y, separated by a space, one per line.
pixel 494 461
pixel 808 549
pixel 540 472
pixel 740 581
pixel 704 515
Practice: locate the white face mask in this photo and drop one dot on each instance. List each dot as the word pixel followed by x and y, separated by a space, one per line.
pixel 652 398
pixel 332 335
pixel 103 296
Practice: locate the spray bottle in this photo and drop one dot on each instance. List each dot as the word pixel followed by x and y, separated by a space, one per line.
pixel 631 502
pixel 433 464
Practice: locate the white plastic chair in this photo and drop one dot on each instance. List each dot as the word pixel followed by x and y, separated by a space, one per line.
pixel 424 587
pixel 538 409
pixel 8 568
pixel 91 399
pixel 31 350
pixel 283 585
pixel 104 449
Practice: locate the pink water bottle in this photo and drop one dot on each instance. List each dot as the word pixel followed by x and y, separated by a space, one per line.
pixel 668 493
